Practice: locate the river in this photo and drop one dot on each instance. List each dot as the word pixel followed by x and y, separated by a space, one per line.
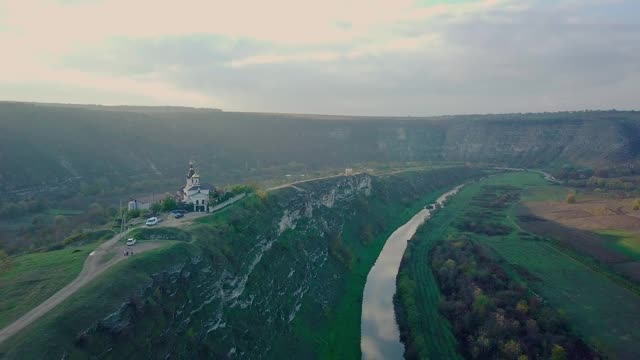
pixel 380 337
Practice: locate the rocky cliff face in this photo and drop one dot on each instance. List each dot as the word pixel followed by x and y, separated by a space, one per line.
pixel 243 305
pixel 44 147
pixel 539 143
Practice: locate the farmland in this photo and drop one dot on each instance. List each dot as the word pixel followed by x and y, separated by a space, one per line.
pixel 600 226
pixel 601 311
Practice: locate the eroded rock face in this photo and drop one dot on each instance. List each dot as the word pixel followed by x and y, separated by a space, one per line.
pixel 524 140
pixel 240 310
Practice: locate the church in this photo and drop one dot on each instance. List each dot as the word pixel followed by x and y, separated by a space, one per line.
pixel 194 192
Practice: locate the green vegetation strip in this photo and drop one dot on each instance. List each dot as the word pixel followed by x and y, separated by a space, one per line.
pixel 163 233
pixel 625 242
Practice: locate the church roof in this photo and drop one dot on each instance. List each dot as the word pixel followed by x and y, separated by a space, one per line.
pixel 195 175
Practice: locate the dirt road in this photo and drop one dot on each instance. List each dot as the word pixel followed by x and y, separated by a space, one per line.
pixel 99 260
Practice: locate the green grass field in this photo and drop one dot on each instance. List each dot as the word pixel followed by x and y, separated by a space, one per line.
pixel 604 313
pixel 623 242
pixel 34 277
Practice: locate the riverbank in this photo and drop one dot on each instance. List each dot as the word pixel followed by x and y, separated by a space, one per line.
pixel 380 337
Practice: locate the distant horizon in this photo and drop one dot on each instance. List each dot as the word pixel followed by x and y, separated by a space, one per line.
pixel 214 109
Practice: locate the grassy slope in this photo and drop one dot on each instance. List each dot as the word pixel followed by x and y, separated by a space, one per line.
pixel 34 277
pixel 601 311
pixel 85 307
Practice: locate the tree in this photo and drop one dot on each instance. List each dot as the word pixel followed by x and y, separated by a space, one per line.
pixel 510 349
pixel 558 353
pixel 169 203
pixel 133 213
pixel 522 306
pixel 571 198
pixel 155 208
pixel 636 204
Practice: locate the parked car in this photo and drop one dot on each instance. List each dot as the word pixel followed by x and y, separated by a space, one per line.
pixel 152 221
pixel 178 215
pixel 131 242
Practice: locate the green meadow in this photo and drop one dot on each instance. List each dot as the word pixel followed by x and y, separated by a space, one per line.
pixel 32 278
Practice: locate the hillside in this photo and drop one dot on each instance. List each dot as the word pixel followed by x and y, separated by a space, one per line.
pixel 49 146
pixel 277 277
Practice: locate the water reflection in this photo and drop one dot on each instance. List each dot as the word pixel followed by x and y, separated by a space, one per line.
pixel 380 338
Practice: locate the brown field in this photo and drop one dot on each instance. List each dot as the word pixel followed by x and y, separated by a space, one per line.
pixel 590 213
pixel 575 225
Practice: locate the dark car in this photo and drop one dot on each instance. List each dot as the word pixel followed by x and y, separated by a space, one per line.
pixel 178 215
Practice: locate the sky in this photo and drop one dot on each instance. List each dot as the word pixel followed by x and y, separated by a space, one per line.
pixel 360 57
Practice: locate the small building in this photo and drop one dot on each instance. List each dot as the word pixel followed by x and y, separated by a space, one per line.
pixel 348 171
pixel 143 203
pixel 194 192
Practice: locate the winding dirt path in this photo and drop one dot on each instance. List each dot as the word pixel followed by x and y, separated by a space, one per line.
pixel 103 257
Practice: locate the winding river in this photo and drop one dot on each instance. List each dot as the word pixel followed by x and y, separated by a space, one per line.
pixel 380 337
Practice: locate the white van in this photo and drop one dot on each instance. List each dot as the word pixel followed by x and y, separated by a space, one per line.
pixel 152 221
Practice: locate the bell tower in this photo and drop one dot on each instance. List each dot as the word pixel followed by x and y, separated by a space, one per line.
pixel 190 175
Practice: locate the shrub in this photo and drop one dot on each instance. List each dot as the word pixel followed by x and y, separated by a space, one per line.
pixel 339 251
pixel 169 203
pixel 165 233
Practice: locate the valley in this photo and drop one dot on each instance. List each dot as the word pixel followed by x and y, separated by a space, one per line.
pixel 320 180
pixel 293 263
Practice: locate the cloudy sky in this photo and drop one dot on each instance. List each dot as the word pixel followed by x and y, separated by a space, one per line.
pixel 366 57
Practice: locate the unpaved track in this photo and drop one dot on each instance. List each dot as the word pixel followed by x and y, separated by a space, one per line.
pixel 94 265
